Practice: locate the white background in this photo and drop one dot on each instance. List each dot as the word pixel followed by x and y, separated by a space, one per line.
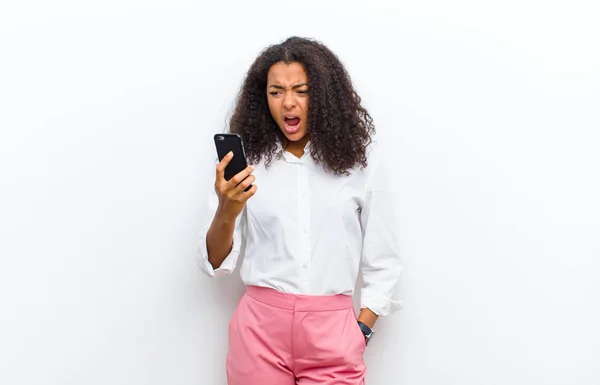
pixel 488 110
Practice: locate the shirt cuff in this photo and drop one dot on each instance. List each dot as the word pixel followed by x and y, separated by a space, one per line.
pixel 378 303
pixel 228 264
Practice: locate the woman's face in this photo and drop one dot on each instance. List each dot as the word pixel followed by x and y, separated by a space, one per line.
pixel 287 93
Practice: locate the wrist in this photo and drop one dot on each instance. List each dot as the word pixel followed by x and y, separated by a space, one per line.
pixel 366 331
pixel 224 219
pixel 368 317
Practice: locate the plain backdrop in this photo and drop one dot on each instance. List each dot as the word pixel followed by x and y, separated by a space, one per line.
pixel 489 114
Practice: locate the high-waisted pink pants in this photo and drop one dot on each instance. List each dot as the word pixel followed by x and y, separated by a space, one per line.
pixel 285 339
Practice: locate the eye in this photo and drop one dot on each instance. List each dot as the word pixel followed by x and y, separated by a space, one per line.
pixel 274 93
pixel 303 91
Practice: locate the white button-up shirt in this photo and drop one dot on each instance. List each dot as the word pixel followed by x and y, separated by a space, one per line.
pixel 308 231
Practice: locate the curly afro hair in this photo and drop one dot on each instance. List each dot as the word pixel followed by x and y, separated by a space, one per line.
pixel 340 128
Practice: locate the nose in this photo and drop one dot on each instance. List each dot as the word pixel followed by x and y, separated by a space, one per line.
pixel 289 102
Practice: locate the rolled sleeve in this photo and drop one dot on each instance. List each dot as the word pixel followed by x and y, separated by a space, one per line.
pixel 230 262
pixel 380 260
pixel 378 303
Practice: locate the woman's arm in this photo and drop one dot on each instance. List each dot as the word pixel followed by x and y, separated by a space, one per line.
pixel 381 265
pixel 219 241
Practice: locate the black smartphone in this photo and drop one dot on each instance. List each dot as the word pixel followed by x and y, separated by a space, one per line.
pixel 231 142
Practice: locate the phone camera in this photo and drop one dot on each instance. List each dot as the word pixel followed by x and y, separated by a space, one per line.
pixel 220 137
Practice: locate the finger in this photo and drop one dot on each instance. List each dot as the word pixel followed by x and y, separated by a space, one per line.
pixel 243 196
pixel 222 164
pixel 251 191
pixel 245 183
pixel 239 177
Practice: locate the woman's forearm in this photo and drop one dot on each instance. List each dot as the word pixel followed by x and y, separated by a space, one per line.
pixel 219 239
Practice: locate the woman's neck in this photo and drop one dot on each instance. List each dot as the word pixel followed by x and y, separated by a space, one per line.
pixel 296 148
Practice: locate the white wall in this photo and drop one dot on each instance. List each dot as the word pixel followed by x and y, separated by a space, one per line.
pixel 489 111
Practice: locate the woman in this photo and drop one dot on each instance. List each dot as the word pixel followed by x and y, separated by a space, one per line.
pixel 321 210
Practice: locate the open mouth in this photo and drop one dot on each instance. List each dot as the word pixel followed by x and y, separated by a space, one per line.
pixel 292 124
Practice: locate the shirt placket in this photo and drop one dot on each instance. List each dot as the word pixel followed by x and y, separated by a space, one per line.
pixel 304 222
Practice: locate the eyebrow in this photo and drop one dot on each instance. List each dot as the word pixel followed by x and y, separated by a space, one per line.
pixel 280 87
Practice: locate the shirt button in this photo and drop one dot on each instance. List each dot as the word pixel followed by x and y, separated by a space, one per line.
pixel 306 230
pixel 305 266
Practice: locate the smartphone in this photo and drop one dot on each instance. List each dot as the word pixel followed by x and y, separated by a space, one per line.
pixel 231 142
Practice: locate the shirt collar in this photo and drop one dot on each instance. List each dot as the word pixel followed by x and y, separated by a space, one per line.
pixel 289 157
pixel 279 149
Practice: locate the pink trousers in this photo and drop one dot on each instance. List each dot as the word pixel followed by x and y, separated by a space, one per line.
pixel 285 339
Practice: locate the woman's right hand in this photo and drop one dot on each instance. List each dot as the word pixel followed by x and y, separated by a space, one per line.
pixel 232 197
